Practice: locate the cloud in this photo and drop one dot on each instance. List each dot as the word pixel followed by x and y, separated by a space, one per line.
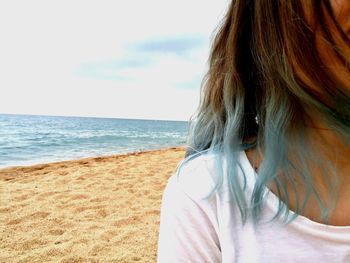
pixel 179 59
pixel 108 69
pixel 165 70
pixel 191 83
pixel 106 57
pixel 179 45
pixel 130 62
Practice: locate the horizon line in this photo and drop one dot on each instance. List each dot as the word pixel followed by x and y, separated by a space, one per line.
pixel 97 117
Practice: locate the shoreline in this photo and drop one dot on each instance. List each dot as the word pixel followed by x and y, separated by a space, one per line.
pixel 39 165
pixel 94 209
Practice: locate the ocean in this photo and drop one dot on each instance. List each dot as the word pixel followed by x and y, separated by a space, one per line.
pixel 32 139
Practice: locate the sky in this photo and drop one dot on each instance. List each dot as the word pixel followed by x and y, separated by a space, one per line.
pixel 119 59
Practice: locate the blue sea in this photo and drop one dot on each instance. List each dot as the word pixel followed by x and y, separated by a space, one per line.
pixel 32 139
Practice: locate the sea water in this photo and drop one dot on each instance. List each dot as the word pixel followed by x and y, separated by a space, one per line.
pixel 32 139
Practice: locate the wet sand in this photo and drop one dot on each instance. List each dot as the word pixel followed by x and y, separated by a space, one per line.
pixel 103 209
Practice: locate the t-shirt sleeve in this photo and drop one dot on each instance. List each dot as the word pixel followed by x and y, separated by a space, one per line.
pixel 187 232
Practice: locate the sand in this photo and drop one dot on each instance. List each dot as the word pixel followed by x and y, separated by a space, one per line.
pixel 103 209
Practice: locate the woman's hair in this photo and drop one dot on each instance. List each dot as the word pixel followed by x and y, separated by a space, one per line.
pixel 252 96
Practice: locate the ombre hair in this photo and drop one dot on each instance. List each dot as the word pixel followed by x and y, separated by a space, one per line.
pixel 252 97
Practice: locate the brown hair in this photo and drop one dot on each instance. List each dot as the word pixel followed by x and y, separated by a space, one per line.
pixel 253 75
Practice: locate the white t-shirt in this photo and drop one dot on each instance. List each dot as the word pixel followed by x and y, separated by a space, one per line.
pixel 196 230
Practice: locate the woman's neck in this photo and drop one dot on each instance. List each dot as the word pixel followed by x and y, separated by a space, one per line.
pixel 330 148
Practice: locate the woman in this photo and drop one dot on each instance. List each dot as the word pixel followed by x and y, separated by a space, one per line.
pixel 266 176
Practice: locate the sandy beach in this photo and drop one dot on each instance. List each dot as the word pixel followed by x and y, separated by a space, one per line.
pixel 103 209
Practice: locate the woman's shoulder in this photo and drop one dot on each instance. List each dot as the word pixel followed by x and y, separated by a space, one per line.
pixel 189 225
pixel 196 175
pixel 199 175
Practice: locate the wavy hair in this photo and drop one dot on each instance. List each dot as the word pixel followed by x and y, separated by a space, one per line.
pixel 252 97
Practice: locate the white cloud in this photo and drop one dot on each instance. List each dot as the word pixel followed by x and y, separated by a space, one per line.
pixel 45 42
